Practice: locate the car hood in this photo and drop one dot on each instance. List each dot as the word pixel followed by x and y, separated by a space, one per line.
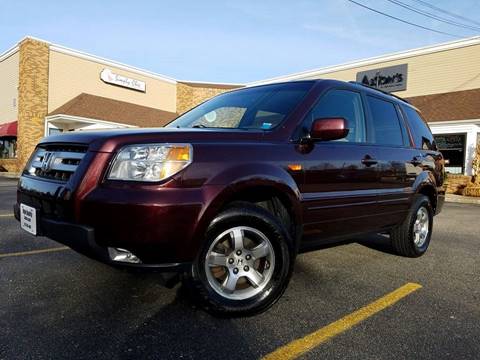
pixel 109 140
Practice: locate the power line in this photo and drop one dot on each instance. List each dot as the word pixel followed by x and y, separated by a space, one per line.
pixel 405 21
pixel 424 3
pixel 433 16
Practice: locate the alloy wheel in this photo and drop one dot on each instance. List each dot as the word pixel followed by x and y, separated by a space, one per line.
pixel 421 227
pixel 239 263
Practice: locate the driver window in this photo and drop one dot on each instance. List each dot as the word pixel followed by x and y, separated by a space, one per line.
pixel 341 103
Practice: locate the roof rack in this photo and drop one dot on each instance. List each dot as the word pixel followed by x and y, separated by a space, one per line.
pixel 383 92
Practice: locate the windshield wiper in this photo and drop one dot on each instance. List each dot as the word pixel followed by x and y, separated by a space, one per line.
pixel 199 126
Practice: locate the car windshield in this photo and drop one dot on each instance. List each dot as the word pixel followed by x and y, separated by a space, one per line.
pixel 258 108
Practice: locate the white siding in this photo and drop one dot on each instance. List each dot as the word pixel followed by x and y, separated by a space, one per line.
pixel 9 69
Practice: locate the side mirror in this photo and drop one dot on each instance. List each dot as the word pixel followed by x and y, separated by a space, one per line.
pixel 325 129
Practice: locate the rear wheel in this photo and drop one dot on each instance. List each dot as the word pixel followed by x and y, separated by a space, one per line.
pixel 412 237
pixel 246 262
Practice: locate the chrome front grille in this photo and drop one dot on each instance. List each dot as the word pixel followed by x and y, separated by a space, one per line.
pixel 56 162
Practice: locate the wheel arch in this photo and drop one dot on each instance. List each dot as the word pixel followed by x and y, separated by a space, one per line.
pixel 425 185
pixel 257 187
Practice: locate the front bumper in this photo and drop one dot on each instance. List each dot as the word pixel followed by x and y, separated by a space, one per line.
pixel 81 238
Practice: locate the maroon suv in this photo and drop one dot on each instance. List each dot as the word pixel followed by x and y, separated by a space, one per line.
pixel 230 192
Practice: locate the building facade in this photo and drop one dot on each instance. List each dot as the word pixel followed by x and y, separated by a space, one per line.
pixel 46 88
pixel 443 81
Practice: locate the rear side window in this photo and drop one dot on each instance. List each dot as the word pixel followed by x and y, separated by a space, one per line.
pixel 341 103
pixel 386 124
pixel 420 131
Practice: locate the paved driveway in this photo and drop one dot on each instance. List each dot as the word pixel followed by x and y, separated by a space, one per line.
pixel 58 304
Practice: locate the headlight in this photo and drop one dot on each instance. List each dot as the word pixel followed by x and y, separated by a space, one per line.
pixel 150 162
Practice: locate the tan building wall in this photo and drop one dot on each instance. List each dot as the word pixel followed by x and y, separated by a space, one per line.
pixel 9 88
pixel 190 95
pixel 71 75
pixel 439 72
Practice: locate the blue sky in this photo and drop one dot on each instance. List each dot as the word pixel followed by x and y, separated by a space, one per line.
pixel 226 41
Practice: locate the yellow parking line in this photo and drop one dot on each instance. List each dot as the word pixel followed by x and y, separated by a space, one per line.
pixel 301 346
pixel 6 215
pixel 33 252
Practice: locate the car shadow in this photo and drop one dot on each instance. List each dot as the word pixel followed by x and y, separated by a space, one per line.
pixel 378 242
pixel 92 310
pixel 181 329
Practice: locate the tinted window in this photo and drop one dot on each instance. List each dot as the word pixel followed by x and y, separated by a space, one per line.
pixel 341 103
pixel 386 125
pixel 263 107
pixel 421 133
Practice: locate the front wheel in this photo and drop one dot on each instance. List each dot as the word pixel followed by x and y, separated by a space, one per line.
pixel 412 237
pixel 245 264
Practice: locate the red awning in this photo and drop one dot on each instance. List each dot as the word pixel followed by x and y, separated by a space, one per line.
pixel 8 129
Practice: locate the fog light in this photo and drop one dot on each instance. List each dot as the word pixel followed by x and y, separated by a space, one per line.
pixel 122 255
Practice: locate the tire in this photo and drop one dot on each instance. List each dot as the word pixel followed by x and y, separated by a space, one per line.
pixel 412 237
pixel 259 265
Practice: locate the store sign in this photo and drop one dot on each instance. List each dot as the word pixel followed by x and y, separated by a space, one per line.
pixel 110 77
pixel 392 78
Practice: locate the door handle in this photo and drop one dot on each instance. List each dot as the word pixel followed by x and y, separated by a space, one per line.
pixel 369 161
pixel 417 160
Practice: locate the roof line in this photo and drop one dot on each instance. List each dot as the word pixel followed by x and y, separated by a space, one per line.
pixel 101 60
pixel 475 40
pixel 85 119
pixel 105 61
pixel 9 52
pixel 456 122
pixel 13 49
pixel 70 103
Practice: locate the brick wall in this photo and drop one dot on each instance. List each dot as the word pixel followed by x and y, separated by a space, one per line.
pixel 190 95
pixel 32 96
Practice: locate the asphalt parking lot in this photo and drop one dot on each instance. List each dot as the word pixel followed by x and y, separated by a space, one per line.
pixel 58 304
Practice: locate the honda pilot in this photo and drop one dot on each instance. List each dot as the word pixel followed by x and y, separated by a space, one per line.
pixel 229 193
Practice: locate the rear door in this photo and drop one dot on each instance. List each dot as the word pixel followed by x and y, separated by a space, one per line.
pixel 395 156
pixel 339 192
pixel 427 156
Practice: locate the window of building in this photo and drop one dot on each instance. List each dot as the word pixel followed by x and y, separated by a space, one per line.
pixel 8 147
pixel 420 131
pixel 452 147
pixel 341 103
pixel 386 125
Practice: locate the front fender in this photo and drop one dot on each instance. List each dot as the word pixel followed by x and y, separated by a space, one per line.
pixel 226 184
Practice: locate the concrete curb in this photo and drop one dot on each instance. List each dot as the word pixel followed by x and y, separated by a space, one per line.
pixel 462 199
pixel 9 175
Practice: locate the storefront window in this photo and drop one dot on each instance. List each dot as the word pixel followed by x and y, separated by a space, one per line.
pixel 452 147
pixel 8 147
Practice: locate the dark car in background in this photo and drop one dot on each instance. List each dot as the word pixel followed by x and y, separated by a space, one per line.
pixel 230 192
